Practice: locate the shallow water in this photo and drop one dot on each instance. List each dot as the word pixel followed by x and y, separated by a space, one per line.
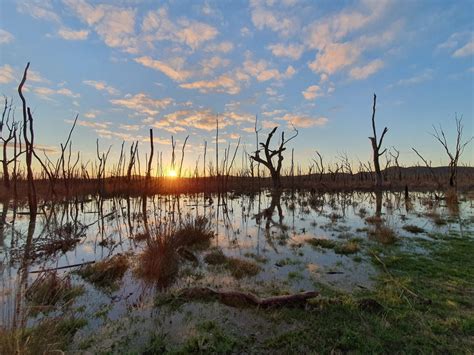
pixel 270 230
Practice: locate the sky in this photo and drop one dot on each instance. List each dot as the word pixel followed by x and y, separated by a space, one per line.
pixel 126 66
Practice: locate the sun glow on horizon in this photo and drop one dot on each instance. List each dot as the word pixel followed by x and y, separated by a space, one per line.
pixel 172 173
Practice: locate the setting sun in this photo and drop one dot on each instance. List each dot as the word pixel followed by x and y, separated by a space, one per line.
pixel 172 173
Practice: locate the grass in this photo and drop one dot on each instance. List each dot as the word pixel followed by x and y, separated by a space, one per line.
pixel 322 242
pixel 391 318
pixel 383 234
pixel 238 268
pixel 349 247
pixel 50 336
pixel 106 274
pixel 413 229
pixel 345 248
pixel 49 289
pixel 160 261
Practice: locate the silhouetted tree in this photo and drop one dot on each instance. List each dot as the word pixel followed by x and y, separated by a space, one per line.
pixel 269 154
pixel 376 145
pixel 458 149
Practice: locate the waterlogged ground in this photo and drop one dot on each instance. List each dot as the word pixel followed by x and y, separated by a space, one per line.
pixel 283 243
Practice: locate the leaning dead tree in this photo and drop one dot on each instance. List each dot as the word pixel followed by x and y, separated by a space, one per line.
pixel 455 154
pixel 269 154
pixel 376 145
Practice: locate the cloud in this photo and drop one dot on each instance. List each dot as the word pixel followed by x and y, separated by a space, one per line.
pixel 213 63
pixel 174 73
pixel 99 125
pixel 223 47
pixel 464 51
pixel 38 9
pixel 6 37
pixel 333 36
pixel 223 83
pixel 128 127
pixel 312 92
pixel 114 25
pixel 278 21
pixel 102 86
pixel 366 70
pixel 292 51
pixel 7 74
pixel 143 104
pixel 71 35
pixel 46 92
pixel 335 57
pixel 158 27
pixel 426 75
pixel 303 121
pixel 261 71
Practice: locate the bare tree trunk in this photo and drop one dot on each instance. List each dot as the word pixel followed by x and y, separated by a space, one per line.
pixel 376 145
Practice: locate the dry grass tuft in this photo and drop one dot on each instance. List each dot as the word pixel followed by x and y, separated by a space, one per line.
pixel 240 268
pixel 106 274
pixel 374 220
pixel 49 289
pixel 383 234
pixel 349 247
pixel 322 242
pixel 159 262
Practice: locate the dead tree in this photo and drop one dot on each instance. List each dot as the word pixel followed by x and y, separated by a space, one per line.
pixel 28 137
pixel 269 154
pixel 150 160
pixel 458 150
pixel 376 145
pixel 395 157
pixel 8 121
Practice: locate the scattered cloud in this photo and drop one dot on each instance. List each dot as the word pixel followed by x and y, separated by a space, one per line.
pixel 173 72
pixel 292 51
pixel 367 70
pixel 7 74
pixel 261 71
pixel 39 9
pixel 102 86
pixel 159 27
pixel 46 93
pixel 264 15
pixel 425 75
pixel 222 84
pixel 222 47
pixel 464 51
pixel 6 37
pixel 143 104
pixel 303 121
pixel 71 35
pixel 312 92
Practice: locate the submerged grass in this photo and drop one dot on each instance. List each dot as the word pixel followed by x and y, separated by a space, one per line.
pixel 347 247
pixel 238 268
pixel 106 274
pixel 49 337
pixel 49 289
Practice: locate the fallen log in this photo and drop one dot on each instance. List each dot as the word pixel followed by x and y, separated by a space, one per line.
pixel 62 267
pixel 240 299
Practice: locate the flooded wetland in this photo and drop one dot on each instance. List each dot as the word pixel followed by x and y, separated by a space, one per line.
pixel 200 272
